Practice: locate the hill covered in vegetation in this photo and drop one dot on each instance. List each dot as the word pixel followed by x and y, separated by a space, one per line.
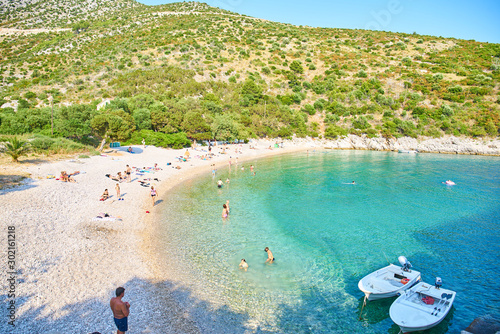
pixel 124 70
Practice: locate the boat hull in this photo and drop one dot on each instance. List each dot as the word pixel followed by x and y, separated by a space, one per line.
pixel 386 282
pixel 412 314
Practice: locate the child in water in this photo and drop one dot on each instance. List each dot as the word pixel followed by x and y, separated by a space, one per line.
pixel 243 264
pixel 225 211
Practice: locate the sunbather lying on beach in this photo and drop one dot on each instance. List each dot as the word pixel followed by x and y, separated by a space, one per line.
pixel 113 177
pixel 106 216
pixel 67 177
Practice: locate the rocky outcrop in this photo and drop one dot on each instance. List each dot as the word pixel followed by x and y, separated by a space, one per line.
pixel 450 144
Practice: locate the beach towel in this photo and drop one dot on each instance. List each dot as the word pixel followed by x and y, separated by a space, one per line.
pixel 105 219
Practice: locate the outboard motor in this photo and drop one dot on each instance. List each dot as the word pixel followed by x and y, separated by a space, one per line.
pixel 405 263
pixel 438 283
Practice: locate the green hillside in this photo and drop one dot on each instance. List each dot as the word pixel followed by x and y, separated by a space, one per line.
pixel 188 68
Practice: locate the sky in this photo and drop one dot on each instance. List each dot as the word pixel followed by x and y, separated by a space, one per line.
pixel 465 19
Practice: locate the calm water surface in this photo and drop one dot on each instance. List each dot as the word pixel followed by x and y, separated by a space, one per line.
pixel 326 234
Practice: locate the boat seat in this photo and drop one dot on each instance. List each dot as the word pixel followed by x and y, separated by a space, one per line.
pixel 385 285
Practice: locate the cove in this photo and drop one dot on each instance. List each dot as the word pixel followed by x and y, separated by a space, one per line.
pixel 326 233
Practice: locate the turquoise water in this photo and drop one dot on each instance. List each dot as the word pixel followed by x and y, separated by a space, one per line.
pixel 326 234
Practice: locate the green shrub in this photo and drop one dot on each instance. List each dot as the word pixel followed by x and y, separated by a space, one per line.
pixel 333 131
pixel 362 74
pixel 309 109
pixel 361 123
pixel 40 144
pixel 159 139
pixel 455 89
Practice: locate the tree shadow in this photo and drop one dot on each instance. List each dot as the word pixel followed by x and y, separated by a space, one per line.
pixel 171 308
pixel 135 149
pixel 10 183
pixel 34 161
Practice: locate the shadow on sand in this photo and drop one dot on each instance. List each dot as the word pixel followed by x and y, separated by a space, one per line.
pixel 135 149
pixel 174 310
pixel 9 183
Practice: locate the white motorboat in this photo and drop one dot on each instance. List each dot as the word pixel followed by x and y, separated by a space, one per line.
pixel 421 307
pixel 408 151
pixel 389 281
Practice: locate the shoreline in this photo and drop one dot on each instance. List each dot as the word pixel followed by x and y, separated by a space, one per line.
pixel 68 265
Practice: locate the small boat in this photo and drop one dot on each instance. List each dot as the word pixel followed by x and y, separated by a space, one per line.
pixel 408 151
pixel 421 307
pixel 449 183
pixel 389 281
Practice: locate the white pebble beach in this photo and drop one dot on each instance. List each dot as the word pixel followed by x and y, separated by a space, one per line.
pixel 68 264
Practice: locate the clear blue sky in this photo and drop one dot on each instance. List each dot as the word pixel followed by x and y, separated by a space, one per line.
pixel 465 19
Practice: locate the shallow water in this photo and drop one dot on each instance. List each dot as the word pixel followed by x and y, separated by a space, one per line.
pixel 327 233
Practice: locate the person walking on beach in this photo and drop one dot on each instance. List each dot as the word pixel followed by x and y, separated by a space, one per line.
pixel 117 187
pixel 128 172
pixel 270 257
pixel 144 142
pixel 121 310
pixel 153 194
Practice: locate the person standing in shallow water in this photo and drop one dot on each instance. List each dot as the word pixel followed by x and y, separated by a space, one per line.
pixel 243 264
pixel 225 211
pixel 270 257
pixel 121 310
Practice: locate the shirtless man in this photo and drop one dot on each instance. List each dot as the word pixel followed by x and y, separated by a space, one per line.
pixel 270 257
pixel 120 310
pixel 128 172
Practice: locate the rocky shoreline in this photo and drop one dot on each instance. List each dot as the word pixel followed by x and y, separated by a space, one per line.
pixel 447 145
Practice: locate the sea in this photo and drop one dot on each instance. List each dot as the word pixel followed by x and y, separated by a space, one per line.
pixel 331 217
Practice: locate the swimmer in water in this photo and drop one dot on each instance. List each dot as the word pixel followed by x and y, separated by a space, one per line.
pixel 243 264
